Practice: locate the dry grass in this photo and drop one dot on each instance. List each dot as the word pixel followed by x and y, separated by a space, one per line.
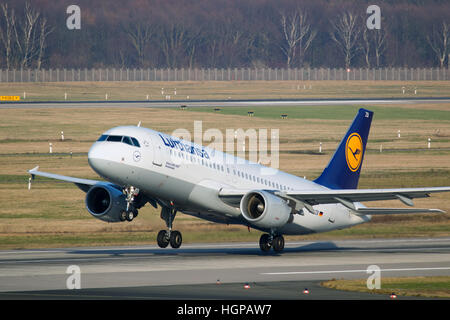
pixel 222 90
pixel 430 287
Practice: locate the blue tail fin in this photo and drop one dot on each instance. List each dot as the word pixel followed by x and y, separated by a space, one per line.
pixel 344 167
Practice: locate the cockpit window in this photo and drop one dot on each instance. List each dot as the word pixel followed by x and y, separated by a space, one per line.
pixel 114 138
pixel 124 139
pixel 135 142
pixel 103 137
pixel 127 140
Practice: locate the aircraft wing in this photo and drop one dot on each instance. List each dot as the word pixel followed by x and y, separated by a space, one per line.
pixel 347 197
pixel 83 184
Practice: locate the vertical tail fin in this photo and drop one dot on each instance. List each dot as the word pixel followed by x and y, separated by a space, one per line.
pixel 342 172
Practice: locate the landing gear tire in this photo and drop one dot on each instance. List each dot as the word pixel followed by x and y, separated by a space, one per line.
pixel 123 216
pixel 175 239
pixel 162 239
pixel 278 243
pixel 265 243
pixel 130 216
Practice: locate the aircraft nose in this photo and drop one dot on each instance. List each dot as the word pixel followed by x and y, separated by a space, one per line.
pixel 96 158
pixel 93 152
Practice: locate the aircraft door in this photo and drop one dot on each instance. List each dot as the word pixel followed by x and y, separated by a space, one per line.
pixel 157 152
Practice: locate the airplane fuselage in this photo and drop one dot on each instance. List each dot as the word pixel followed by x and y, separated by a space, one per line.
pixel 189 177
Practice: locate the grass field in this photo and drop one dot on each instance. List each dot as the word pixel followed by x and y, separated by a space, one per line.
pixel 222 90
pixel 339 112
pixel 424 287
pixel 52 214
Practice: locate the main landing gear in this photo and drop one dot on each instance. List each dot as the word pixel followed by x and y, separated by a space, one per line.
pixel 268 241
pixel 169 236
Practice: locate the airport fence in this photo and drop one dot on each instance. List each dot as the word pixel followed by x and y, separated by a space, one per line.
pixel 229 74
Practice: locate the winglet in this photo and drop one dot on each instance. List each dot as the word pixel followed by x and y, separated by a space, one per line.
pixel 34 169
pixel 32 173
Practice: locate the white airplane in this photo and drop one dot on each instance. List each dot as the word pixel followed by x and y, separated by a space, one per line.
pixel 143 165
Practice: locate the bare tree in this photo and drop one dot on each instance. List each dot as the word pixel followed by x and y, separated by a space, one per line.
pixel 226 45
pixel 256 50
pixel 374 40
pixel 25 36
pixel 297 34
pixel 212 48
pixel 139 35
pixel 215 43
pixel 191 47
pixel 7 33
pixel 178 43
pixel 45 30
pixel 379 40
pixel 233 49
pixel 440 42
pixel 173 44
pixel 346 32
pixel 366 46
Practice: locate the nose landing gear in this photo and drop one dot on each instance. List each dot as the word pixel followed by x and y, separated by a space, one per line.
pixel 131 211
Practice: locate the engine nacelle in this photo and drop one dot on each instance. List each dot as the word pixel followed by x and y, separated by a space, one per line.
pixel 265 210
pixel 106 202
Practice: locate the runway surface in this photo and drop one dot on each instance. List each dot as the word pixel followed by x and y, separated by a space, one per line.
pixel 215 271
pixel 221 103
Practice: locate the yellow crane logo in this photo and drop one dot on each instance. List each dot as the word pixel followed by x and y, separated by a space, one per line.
pixel 354 151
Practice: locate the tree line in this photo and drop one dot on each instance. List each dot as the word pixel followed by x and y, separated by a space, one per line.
pixel 223 34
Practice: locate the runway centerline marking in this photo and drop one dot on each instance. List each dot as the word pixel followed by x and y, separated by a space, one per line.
pixel 352 271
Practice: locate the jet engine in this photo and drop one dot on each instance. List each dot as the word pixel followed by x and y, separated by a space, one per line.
pixel 105 202
pixel 265 210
